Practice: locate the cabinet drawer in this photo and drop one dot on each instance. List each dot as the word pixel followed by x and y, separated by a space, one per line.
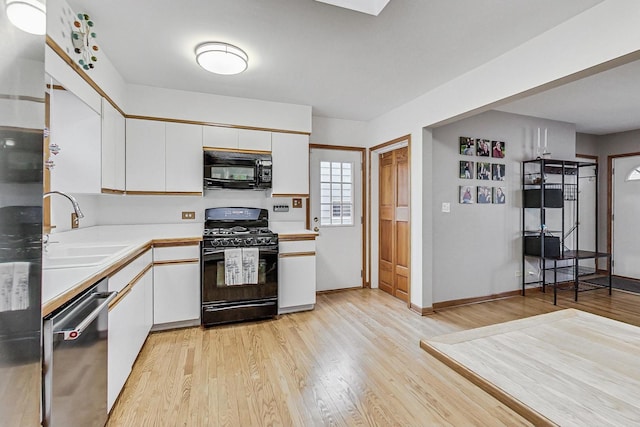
pixel 297 246
pixel 173 253
pixel 120 279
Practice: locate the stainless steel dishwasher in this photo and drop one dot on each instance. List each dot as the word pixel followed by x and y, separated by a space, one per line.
pixel 75 361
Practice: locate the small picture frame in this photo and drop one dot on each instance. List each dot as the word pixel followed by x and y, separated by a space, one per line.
pixel 483 147
pixel 497 149
pixel 467 194
pixel 498 195
pixel 484 195
pixel 483 171
pixel 467 169
pixel 467 146
pixel 498 171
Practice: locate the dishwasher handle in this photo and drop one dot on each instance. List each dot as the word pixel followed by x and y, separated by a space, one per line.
pixel 74 333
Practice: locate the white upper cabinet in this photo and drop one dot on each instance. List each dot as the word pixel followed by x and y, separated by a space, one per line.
pixel 254 140
pixel 145 155
pixel 163 157
pixel 290 154
pixel 236 139
pixel 219 137
pixel 183 158
pixel 75 128
pixel 113 149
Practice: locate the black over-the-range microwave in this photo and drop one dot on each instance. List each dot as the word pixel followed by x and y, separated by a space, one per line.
pixel 226 169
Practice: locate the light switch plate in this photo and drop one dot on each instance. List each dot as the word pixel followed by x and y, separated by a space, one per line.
pixel 446 207
pixel 297 203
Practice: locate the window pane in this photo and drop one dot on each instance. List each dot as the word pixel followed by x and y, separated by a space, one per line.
pixel 336 196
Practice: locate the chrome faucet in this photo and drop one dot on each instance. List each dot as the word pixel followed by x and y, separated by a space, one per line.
pixel 74 202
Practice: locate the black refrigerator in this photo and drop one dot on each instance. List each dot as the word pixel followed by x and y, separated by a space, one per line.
pixel 22 123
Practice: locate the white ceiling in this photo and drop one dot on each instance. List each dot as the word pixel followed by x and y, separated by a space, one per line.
pixel 343 63
pixel 604 103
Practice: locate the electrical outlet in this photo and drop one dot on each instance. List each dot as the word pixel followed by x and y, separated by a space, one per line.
pixel 297 203
pixel 281 208
pixel 188 215
pixel 75 221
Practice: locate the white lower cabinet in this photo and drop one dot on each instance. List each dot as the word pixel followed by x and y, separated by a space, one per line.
pixel 296 276
pixel 176 284
pixel 130 320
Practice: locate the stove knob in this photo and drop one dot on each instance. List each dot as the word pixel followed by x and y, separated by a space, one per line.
pixel 237 241
pixel 215 242
pixel 249 241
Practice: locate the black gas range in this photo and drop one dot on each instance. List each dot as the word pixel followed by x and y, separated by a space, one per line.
pixel 239 266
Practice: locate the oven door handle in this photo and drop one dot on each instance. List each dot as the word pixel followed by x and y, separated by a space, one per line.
pixel 253 304
pixel 210 252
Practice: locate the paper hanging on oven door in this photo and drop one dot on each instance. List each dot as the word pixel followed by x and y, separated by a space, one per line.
pixel 6 286
pixel 232 267
pixel 250 260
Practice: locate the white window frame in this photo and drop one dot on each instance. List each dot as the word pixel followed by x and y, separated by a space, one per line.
pixel 333 204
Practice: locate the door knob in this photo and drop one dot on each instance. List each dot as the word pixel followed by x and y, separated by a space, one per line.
pixel 316 229
pixel 315 219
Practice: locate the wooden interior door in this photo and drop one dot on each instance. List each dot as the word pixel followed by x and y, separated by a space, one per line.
pixel 394 228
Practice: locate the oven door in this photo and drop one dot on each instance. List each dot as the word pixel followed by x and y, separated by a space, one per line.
pixel 222 303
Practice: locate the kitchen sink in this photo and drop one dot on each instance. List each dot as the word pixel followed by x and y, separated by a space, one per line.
pixel 73 256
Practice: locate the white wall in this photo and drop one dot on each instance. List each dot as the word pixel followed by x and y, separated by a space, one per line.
pixel 115 209
pixel 600 35
pixel 60 18
pixel 204 107
pixel 329 131
pixel 477 247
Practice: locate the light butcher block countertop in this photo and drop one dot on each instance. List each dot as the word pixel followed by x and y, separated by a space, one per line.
pixel 60 285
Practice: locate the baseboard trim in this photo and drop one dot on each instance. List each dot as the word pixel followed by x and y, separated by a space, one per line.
pixel 465 301
pixel 422 311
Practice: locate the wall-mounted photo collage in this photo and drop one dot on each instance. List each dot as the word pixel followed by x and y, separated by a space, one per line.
pixel 482 169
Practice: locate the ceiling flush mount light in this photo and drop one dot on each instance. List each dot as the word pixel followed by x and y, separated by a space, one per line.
pixel 221 58
pixel 28 15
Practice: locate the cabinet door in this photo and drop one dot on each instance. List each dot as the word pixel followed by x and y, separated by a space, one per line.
pixel 176 292
pixel 113 148
pixel 121 318
pixel 183 157
pixel 147 284
pixel 76 128
pixel 218 137
pixel 290 154
pixel 296 282
pixel 254 140
pixel 108 146
pixel 129 323
pixel 120 152
pixel 145 155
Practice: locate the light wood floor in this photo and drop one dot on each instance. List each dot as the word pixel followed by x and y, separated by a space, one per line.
pixel 354 360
